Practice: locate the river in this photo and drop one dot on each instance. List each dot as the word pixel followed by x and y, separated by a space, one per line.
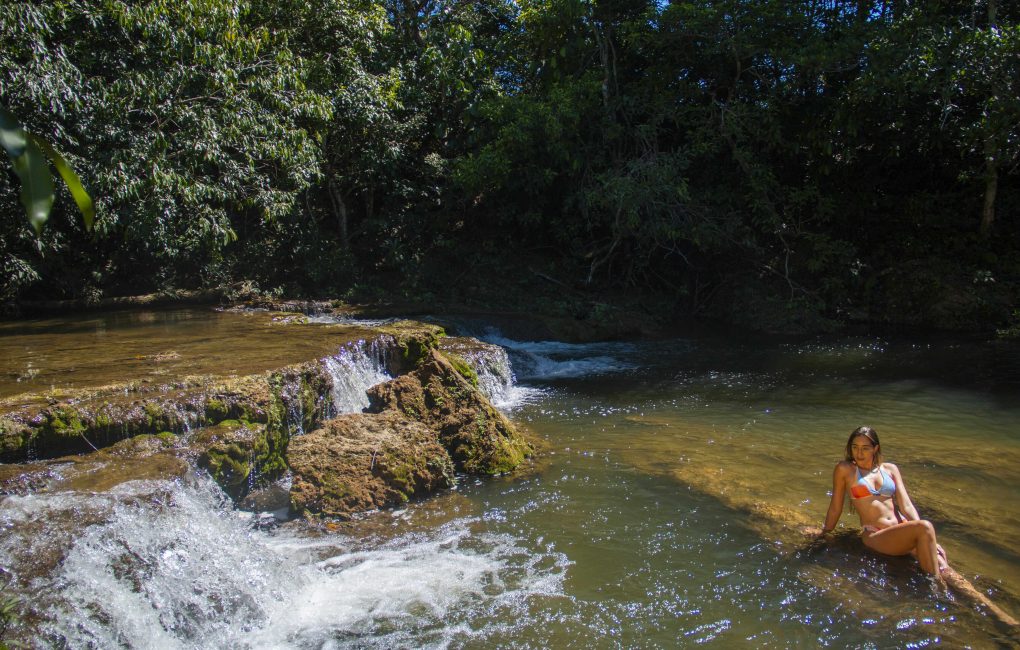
pixel 652 519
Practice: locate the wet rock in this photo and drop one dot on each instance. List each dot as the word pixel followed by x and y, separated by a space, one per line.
pixel 144 457
pixel 264 521
pixel 362 461
pixel 479 438
pixel 289 400
pixel 413 341
pixel 272 498
pixel 485 365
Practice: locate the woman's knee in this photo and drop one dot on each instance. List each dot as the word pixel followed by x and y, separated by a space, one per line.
pixel 927 529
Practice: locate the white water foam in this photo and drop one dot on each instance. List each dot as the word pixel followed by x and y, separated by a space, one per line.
pixel 557 360
pixel 355 368
pixel 170 565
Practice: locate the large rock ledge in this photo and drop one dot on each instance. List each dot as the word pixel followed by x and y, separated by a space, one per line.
pixel 41 426
pixel 479 438
pixel 423 426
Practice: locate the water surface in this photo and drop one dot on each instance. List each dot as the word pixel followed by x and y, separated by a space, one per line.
pixel 646 523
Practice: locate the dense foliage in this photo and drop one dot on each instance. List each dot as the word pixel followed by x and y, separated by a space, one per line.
pixel 775 163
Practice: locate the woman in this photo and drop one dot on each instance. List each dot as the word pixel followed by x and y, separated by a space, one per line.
pixel 890 521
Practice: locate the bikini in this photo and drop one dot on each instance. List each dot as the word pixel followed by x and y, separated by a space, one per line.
pixel 862 488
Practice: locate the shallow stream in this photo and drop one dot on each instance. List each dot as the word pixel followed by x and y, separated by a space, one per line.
pixel 653 518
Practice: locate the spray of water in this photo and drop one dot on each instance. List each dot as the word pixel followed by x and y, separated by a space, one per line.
pixel 354 369
pixel 171 565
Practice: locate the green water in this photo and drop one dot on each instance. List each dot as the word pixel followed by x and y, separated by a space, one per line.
pixel 664 511
pixel 155 346
pixel 654 474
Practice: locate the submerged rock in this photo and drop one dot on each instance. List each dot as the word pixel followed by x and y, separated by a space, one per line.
pixel 365 461
pixel 478 437
pixel 142 458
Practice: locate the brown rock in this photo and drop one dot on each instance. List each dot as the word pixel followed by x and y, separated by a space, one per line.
pixel 479 438
pixel 364 461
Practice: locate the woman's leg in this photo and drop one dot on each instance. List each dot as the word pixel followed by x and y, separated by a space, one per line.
pixel 905 537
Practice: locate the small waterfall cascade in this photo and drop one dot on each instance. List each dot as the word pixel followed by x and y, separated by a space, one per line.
pixel 491 363
pixel 495 376
pixel 354 369
pixel 170 564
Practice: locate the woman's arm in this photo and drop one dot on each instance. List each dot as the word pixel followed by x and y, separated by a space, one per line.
pixel 836 502
pixel 903 501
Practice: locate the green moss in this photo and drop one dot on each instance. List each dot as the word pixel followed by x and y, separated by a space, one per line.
pixel 464 368
pixel 14 437
pixel 156 418
pixel 216 410
pixel 230 465
pixel 509 454
pixel 103 420
pixel 65 421
pixel 334 489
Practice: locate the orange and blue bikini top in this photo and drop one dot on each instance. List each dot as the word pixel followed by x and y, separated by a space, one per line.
pixel 862 488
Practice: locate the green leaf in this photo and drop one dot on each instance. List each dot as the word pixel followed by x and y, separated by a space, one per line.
pixel 81 197
pixel 36 185
pixel 12 137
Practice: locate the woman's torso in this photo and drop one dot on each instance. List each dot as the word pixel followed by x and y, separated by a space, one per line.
pixel 873 495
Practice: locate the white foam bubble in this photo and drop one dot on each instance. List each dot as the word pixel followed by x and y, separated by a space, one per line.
pixel 171 565
pixel 559 360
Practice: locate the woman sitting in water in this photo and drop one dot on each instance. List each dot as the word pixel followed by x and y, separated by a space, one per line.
pixel 890 521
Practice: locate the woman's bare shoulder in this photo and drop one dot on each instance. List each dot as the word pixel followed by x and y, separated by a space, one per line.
pixel 844 467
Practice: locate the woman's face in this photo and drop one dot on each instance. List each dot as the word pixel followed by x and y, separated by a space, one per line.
pixel 863 451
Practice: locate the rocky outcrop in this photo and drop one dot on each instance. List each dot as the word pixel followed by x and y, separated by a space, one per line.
pixel 294 397
pixel 421 426
pixel 241 454
pixel 429 422
pixel 479 438
pixel 365 461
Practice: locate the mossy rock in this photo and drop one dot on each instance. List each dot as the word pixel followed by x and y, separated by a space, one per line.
pixel 479 438
pixel 363 461
pixel 241 455
pixel 14 438
pixel 415 341
pixel 463 367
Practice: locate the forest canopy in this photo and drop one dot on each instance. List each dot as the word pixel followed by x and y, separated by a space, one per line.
pixel 771 163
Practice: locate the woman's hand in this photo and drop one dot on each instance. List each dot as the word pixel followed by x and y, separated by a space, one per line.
pixel 943 558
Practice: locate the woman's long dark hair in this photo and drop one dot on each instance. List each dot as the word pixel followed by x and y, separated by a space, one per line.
pixel 871 435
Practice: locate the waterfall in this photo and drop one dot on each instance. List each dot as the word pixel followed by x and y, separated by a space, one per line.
pixel 543 360
pixel 495 376
pixel 354 369
pixel 169 564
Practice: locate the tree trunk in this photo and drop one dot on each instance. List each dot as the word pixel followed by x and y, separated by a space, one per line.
pixel 991 188
pixel 339 212
pixel 991 159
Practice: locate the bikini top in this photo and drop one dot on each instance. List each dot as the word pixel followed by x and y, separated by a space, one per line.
pixel 862 487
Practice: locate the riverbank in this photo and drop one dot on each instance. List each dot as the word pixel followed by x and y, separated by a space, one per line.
pixel 543 302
